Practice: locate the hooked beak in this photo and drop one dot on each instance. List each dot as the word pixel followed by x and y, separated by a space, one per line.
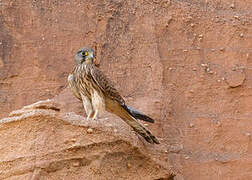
pixel 92 56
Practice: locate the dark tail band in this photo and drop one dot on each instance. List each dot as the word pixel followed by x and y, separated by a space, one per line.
pixel 138 115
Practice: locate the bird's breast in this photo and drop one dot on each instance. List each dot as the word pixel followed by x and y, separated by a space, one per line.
pixel 83 80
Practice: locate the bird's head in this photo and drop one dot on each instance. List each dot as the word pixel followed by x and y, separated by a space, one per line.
pixel 84 55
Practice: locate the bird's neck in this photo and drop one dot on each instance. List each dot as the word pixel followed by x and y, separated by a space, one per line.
pixel 83 66
pixel 88 61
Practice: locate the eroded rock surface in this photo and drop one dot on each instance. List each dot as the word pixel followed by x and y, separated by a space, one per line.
pixel 186 63
pixel 40 142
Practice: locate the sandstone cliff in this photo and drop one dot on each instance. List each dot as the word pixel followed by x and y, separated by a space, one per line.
pixel 186 63
pixel 40 141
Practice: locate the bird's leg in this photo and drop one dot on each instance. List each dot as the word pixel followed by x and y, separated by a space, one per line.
pixel 97 103
pixel 87 106
pixel 95 114
pixel 90 115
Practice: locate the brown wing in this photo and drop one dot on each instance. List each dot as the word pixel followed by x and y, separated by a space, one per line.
pixel 73 86
pixel 106 85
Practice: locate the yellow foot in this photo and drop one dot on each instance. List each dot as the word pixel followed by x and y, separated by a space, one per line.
pixel 95 116
pixel 90 115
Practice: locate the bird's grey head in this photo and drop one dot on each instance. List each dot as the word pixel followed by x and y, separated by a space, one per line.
pixel 84 55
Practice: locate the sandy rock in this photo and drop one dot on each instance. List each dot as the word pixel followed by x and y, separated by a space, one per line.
pixel 39 143
pixel 140 46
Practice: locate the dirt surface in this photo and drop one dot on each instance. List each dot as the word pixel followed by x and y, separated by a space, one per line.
pixel 186 63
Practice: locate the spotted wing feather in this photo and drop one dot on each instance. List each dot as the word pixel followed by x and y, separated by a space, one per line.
pixel 106 85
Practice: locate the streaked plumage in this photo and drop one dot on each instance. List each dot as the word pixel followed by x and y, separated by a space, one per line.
pixel 97 93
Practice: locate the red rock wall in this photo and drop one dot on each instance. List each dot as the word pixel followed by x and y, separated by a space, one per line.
pixel 186 63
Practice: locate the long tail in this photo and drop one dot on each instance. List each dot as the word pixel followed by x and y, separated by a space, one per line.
pixel 138 115
pixel 120 111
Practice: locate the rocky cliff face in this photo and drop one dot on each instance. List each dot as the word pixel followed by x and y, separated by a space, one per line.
pixel 185 63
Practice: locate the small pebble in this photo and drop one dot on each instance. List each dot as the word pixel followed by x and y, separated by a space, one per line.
pixel 248 134
pixel 222 49
pixel 241 35
pixel 145 124
pixel 201 35
pixel 232 6
pixel 129 165
pixel 89 131
pixel 185 50
pixel 187 157
pixel 191 125
pixel 76 164
pixel 218 123
pixel 73 140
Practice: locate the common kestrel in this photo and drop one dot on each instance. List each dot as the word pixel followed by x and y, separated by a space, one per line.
pixel 97 93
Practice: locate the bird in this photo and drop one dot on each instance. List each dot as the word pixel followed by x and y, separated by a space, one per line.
pixel 98 94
